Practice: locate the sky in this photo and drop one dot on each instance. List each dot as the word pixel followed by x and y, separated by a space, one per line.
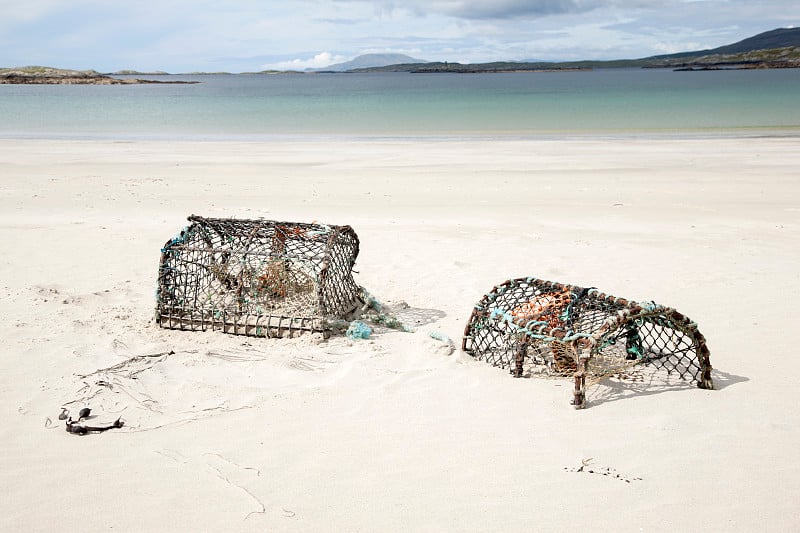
pixel 253 35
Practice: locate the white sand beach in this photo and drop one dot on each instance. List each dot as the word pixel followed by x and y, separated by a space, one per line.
pixel 395 432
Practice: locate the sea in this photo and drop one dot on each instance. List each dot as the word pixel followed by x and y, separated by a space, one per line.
pixel 593 103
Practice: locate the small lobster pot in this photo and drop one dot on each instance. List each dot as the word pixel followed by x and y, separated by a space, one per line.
pixel 537 327
pixel 258 277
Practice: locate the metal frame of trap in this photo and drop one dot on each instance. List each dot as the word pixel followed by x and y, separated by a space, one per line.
pixel 258 278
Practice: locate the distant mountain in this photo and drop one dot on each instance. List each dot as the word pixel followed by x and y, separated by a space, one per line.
pixel 778 48
pixel 370 61
pixel 779 38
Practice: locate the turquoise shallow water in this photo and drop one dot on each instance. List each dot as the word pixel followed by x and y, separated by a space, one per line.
pixel 553 104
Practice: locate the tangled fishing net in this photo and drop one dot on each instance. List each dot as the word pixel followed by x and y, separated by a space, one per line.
pixel 543 328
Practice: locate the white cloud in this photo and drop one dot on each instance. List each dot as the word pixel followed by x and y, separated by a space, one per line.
pixel 321 60
pixel 676 47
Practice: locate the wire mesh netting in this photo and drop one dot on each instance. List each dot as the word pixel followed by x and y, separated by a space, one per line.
pixel 258 277
pixel 543 328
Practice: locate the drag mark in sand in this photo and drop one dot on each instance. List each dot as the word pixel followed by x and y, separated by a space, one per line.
pixel 232 473
pixel 225 470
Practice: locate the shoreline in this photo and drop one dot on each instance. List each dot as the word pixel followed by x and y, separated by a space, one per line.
pixel 600 135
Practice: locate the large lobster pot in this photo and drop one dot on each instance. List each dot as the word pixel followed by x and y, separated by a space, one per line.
pixel 258 277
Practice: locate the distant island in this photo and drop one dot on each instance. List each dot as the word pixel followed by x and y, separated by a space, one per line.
pixel 137 73
pixel 53 76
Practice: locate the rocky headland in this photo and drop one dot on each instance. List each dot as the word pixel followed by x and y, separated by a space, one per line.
pixel 56 76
